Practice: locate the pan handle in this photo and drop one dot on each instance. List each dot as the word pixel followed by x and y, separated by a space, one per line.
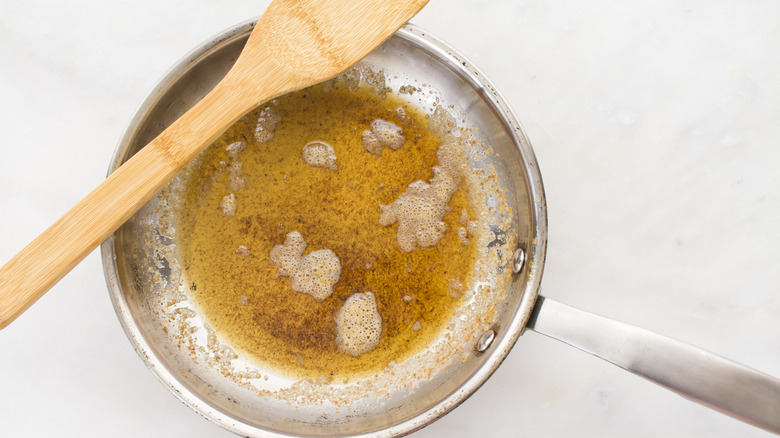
pixel 721 384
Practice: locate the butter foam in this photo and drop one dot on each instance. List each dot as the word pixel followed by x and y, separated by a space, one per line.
pixel 313 274
pixel 358 324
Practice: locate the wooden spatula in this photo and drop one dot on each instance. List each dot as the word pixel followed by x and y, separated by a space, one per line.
pixel 296 43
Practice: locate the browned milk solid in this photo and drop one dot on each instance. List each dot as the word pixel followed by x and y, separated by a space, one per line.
pixel 232 280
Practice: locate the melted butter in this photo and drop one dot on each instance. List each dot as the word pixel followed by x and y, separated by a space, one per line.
pixel 226 258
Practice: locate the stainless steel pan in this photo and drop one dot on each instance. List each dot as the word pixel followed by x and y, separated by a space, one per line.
pixel 146 284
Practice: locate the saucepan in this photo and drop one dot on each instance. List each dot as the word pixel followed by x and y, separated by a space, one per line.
pixel 148 284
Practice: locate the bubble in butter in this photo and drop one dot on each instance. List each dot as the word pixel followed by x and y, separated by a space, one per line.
pixel 419 210
pixel 382 133
pixel 313 274
pixel 358 324
pixel 319 154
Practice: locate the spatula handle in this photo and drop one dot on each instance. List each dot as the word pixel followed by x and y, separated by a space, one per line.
pixel 42 263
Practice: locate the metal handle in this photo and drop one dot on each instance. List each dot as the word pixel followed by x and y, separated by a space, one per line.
pixel 721 384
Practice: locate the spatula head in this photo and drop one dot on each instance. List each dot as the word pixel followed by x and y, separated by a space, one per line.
pixel 310 41
pixel 295 44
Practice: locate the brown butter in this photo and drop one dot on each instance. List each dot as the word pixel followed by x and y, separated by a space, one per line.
pixel 291 331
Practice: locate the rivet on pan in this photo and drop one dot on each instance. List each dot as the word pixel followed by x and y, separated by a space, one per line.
pixel 485 340
pixel 518 260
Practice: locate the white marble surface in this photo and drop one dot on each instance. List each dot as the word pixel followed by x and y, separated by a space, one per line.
pixel 656 125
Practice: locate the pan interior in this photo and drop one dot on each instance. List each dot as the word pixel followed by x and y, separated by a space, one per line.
pixel 149 283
